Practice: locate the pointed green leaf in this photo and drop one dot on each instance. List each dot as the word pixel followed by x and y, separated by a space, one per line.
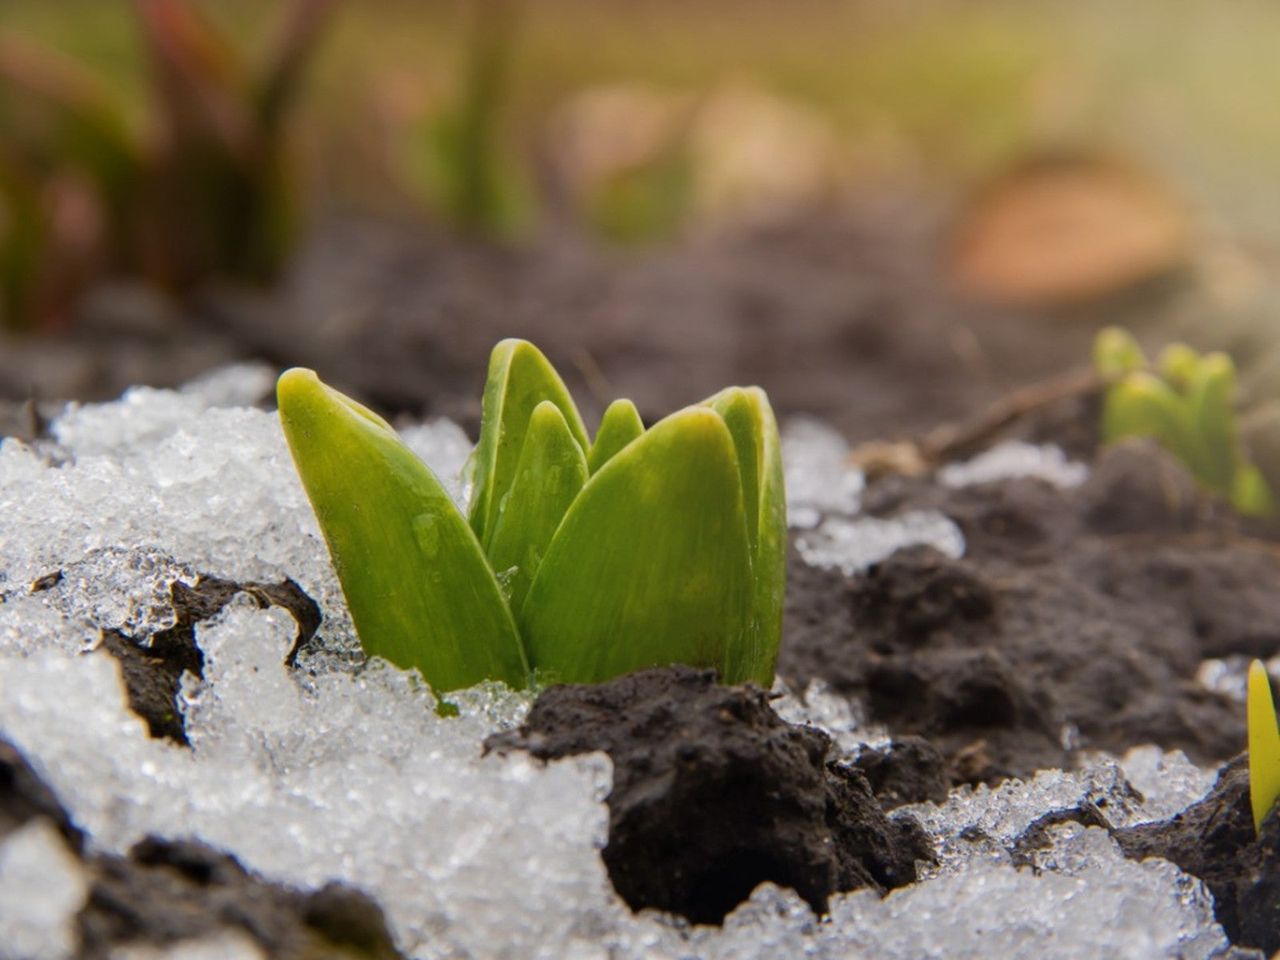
pixel 751 423
pixel 650 565
pixel 1260 439
pixel 1116 353
pixel 418 587
pixel 1264 745
pixel 1141 405
pixel 620 425
pixel 1178 365
pixel 549 475
pixel 520 378
pixel 1250 494
pixel 1212 409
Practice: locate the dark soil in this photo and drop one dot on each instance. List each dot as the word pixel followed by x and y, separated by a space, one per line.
pixel 1075 620
pixel 908 770
pixel 714 794
pixel 167 891
pixel 1215 840
pixel 153 673
pixel 23 795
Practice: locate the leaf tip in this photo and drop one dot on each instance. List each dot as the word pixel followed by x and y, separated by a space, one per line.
pixel 294 381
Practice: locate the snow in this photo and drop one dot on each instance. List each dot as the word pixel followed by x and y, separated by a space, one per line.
pixel 818 475
pixel 225 945
pixel 345 771
pixel 1011 459
pixel 823 498
pixel 821 707
pixel 42 888
pixel 1229 675
pixel 851 544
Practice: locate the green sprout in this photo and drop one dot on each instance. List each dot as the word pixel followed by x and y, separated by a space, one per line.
pixel 578 561
pixel 1186 402
pixel 1264 745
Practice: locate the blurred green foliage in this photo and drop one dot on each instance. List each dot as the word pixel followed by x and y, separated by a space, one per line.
pixel 935 93
pixel 468 175
pixel 651 201
pixel 201 187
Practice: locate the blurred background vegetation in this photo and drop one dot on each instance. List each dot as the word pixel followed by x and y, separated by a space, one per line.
pixel 939 88
pixel 1061 152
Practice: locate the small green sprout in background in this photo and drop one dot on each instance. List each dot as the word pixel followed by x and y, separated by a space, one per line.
pixel 1186 402
pixel 578 561
pixel 1264 745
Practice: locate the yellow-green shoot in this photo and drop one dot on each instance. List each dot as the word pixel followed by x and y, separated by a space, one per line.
pixel 578 560
pixel 1264 745
pixel 1186 402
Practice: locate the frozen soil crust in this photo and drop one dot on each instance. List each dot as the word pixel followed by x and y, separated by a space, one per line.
pixel 338 771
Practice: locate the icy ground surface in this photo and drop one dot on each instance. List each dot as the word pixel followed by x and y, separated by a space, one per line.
pixel 345 772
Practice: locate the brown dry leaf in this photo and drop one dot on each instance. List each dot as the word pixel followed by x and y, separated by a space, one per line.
pixel 1067 229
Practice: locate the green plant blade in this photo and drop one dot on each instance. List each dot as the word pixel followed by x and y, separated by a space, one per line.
pixel 417 584
pixel 1250 494
pixel 751 423
pixel 520 378
pixel 620 425
pixel 1116 353
pixel 549 476
pixel 1178 365
pixel 296 37
pixel 1141 405
pixel 1212 399
pixel 1260 438
pixel 650 565
pixel 1264 745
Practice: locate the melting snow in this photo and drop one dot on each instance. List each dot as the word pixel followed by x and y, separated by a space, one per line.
pixel 1016 459
pixel 42 888
pixel 819 477
pixel 852 544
